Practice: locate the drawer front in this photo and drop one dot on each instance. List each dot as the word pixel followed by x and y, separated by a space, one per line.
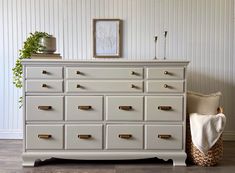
pixel 104 73
pixel 44 73
pixel 124 137
pixel 84 136
pixel 124 108
pixel 165 73
pixel 164 108
pixel 44 86
pixel 165 86
pixel 164 137
pixel 44 108
pixel 84 107
pixel 44 137
pixel 104 86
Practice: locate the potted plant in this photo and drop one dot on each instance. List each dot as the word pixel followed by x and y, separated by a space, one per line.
pixel 31 45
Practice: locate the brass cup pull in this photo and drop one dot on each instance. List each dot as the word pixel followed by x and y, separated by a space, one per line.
pixel 125 136
pixel 44 85
pixel 164 136
pixel 166 86
pixel 44 72
pixel 84 136
pixel 44 107
pixel 164 108
pixel 44 136
pixel 126 108
pixel 78 72
pixel 166 72
pixel 84 107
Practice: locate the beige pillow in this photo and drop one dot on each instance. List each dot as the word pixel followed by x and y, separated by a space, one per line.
pixel 203 104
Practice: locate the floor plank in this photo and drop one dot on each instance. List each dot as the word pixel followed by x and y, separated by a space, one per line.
pixel 10 162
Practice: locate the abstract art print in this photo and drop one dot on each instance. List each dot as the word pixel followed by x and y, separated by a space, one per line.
pixel 106 38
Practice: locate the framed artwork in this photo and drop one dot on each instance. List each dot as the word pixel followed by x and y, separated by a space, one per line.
pixel 106 38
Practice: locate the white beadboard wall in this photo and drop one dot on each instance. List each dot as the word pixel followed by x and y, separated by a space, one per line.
pixel 201 31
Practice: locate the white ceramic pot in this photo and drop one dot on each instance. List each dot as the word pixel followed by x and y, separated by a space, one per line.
pixel 48 44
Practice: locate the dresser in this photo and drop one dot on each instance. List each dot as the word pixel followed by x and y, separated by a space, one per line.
pixel 104 110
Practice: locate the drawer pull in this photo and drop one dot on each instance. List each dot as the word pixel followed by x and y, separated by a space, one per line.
pixel 44 107
pixel 78 72
pixel 84 107
pixel 164 136
pixel 44 136
pixel 80 86
pixel 84 136
pixel 44 85
pixel 44 72
pixel 125 136
pixel 134 73
pixel 164 108
pixel 166 72
pixel 166 86
pixel 134 86
pixel 126 108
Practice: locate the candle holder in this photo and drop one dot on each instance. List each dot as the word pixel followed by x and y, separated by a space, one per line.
pixel 155 47
pixel 165 35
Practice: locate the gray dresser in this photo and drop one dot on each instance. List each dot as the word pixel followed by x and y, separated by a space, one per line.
pixel 102 110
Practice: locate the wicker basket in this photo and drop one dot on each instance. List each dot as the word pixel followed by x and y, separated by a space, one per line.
pixel 195 156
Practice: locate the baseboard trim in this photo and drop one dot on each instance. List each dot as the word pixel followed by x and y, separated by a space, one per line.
pixel 11 134
pixel 229 135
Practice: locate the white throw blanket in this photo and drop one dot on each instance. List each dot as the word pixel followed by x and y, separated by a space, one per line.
pixel 206 130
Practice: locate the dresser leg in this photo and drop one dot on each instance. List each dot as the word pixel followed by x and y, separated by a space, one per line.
pixel 28 162
pixel 179 161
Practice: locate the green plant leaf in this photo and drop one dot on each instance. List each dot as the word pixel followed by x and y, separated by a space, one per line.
pixel 30 46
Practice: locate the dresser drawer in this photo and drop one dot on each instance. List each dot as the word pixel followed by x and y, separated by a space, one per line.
pixel 44 137
pixel 104 86
pixel 44 73
pixel 84 107
pixel 103 73
pixel 44 108
pixel 165 73
pixel 164 137
pixel 165 86
pixel 124 107
pixel 164 108
pixel 84 136
pixel 44 86
pixel 124 137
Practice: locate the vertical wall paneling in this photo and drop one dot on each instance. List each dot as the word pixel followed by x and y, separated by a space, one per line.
pixel 11 51
pixel 233 61
pixel 198 30
pixel 2 69
pixel 6 65
pixel 126 26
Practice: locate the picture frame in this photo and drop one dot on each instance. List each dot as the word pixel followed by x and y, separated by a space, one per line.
pixel 106 38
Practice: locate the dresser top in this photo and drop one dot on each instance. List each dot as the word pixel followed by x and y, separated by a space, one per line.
pixel 105 61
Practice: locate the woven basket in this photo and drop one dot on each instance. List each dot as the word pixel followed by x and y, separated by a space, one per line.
pixel 195 156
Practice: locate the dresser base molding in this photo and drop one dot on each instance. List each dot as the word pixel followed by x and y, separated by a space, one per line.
pixel 178 158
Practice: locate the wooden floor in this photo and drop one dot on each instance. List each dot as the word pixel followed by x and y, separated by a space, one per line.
pixel 10 162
